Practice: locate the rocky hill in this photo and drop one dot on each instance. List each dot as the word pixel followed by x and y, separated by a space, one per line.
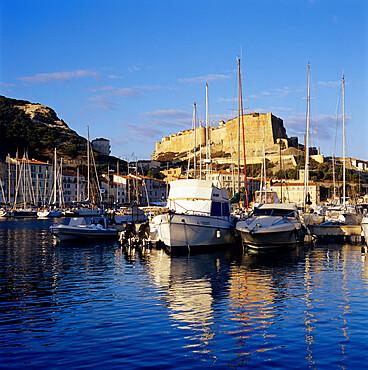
pixel 35 128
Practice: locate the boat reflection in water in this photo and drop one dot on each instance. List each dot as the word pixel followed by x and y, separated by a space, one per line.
pixel 275 303
pixel 140 308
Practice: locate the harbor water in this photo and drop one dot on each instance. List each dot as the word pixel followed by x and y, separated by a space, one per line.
pixel 96 305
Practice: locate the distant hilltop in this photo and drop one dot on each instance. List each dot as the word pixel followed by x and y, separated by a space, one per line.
pixel 37 129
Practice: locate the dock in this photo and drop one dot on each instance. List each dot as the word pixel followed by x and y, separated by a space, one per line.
pixel 338 233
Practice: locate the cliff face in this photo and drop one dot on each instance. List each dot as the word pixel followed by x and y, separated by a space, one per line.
pixel 46 116
pixel 37 129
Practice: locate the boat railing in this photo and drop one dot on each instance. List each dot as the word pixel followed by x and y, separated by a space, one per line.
pixel 200 213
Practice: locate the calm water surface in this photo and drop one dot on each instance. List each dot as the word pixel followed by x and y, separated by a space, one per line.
pixel 99 305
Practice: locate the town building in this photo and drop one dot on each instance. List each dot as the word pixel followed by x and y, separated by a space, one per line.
pixel 359 164
pixel 129 189
pixel 73 187
pixel 172 174
pixel 293 192
pixel 25 181
pixel 154 191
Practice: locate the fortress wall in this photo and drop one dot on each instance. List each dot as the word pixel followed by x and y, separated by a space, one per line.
pixel 181 142
pixel 253 127
pixel 221 137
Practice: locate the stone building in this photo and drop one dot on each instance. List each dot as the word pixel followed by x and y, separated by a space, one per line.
pixel 224 139
pixel 101 145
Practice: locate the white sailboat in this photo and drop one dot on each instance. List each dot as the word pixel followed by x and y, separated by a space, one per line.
pixel 24 183
pixel 88 211
pixel 198 212
pixel 52 212
pixel 342 213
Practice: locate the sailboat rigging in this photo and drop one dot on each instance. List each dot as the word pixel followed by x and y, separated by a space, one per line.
pixel 242 122
pixel 306 168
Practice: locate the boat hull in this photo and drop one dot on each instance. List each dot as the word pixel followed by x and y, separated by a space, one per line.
pixel 23 213
pixel 271 240
pixel 64 232
pixel 181 230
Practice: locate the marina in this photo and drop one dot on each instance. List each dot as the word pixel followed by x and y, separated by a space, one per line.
pixel 139 233
pixel 100 303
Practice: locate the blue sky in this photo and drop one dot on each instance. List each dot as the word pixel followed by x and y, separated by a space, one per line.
pixel 132 70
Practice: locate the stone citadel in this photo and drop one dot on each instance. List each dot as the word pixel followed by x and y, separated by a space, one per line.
pixel 224 140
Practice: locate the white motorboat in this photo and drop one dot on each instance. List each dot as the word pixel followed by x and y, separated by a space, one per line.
pixel 78 229
pixel 272 226
pixel 49 213
pixel 365 229
pixel 198 215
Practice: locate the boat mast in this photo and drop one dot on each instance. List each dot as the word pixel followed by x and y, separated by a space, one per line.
pixel 343 133
pixel 280 171
pixel 232 165
pixel 9 183
pixel 44 190
pixel 77 184
pixel 244 158
pixel 128 185
pixel 195 140
pixel 208 153
pixel 55 166
pixel 194 149
pixel 117 182
pixel 136 180
pixel 16 172
pixel 88 163
pixel 200 149
pixel 24 181
pixel 333 175
pixel 238 182
pixel 306 169
pixel 264 170
pixel 61 191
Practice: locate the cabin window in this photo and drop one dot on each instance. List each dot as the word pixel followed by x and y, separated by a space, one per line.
pixel 216 209
pixel 225 209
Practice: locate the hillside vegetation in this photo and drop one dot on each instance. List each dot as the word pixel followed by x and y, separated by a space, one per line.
pixel 37 129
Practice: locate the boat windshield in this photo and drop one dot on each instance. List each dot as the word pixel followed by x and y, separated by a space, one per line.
pixel 273 212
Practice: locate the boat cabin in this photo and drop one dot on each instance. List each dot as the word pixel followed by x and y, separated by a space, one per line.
pixel 195 196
